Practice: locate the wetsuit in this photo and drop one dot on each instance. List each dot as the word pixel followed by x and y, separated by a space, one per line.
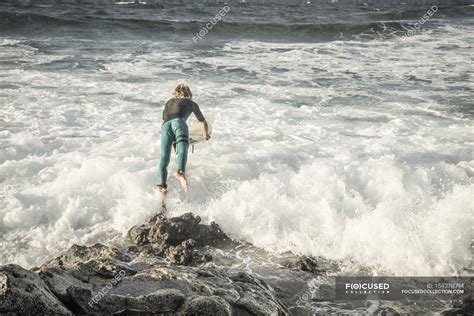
pixel 175 130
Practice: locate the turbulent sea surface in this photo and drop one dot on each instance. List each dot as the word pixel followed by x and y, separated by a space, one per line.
pixel 335 134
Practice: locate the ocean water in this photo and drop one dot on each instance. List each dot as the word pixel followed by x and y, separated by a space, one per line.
pixel 335 134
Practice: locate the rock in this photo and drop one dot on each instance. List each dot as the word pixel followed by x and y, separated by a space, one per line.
pixel 455 312
pixel 463 304
pixel 99 279
pixel 139 234
pixel 178 266
pixel 316 265
pixel 255 296
pixel 71 291
pixel 308 264
pixel 74 276
pixel 83 279
pixel 177 238
pixel 85 263
pixel 23 292
pixel 207 305
pixel 165 300
pixel 160 301
pixel 181 254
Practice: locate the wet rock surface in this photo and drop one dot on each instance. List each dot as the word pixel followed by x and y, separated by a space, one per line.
pixel 168 269
pixel 109 282
pixel 23 292
pixel 174 266
pixel 177 239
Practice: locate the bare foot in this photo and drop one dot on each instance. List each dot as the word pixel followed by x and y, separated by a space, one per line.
pixel 162 189
pixel 183 180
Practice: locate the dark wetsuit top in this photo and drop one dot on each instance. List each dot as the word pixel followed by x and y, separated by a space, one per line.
pixel 181 108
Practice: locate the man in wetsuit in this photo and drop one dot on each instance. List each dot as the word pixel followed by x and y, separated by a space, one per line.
pixel 175 130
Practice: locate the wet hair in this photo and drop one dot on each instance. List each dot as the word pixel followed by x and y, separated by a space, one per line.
pixel 182 91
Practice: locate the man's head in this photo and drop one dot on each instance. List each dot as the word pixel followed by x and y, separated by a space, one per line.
pixel 182 91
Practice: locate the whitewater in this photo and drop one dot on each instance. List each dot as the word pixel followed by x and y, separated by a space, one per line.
pixel 355 150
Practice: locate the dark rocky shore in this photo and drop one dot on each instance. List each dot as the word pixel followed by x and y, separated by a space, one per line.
pixel 174 266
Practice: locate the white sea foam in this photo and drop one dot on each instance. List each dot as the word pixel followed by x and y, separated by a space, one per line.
pixel 324 149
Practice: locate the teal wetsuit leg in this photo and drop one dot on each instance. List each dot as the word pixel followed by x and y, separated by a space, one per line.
pixel 175 130
pixel 167 138
pixel 180 130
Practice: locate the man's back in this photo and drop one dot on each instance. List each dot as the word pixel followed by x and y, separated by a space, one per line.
pixel 181 108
